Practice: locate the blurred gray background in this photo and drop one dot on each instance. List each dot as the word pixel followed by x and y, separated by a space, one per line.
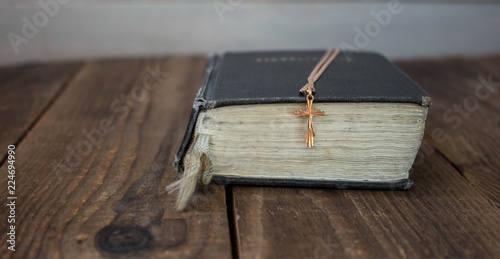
pixel 50 30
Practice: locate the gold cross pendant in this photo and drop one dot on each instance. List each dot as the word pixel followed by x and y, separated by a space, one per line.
pixel 310 113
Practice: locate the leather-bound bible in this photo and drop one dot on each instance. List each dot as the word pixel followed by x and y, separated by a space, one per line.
pixel 244 127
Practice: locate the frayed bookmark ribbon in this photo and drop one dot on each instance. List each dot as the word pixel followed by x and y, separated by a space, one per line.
pixel 197 168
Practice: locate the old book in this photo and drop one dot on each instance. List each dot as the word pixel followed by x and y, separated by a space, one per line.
pixel 243 128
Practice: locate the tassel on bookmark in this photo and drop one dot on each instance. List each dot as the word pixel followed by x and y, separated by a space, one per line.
pixel 197 168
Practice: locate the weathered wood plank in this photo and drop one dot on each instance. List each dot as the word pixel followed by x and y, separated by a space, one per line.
pixel 103 195
pixel 491 62
pixel 25 93
pixel 440 216
pixel 464 117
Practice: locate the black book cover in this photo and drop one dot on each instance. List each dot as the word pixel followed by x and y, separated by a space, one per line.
pixel 276 77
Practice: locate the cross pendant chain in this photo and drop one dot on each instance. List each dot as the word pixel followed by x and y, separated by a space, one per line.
pixel 310 113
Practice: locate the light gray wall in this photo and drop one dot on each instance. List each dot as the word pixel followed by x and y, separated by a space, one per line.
pixel 80 30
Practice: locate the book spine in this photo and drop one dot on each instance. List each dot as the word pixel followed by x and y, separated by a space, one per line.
pixel 200 103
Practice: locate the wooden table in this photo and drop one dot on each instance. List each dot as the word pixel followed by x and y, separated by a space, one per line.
pixel 94 152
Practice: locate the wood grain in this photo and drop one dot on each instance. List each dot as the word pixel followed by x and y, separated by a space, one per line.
pixel 464 120
pixel 25 93
pixel 440 216
pixel 86 196
pixel 104 196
